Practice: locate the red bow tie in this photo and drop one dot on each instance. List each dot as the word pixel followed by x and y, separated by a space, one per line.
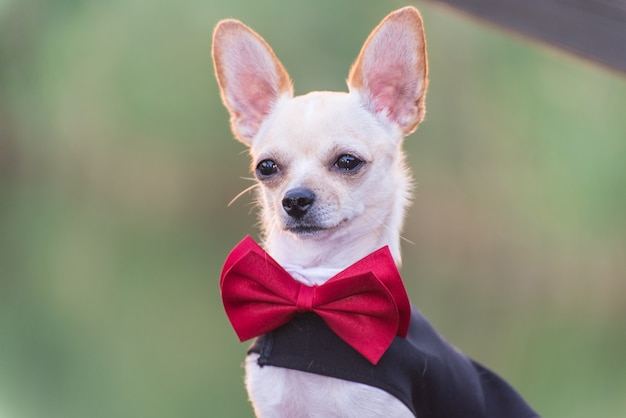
pixel 366 304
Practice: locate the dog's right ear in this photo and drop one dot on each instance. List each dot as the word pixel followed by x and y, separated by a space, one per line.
pixel 250 77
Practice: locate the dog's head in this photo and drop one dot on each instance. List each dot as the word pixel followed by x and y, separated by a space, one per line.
pixel 330 165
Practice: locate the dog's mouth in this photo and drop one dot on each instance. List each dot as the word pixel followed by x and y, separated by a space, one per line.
pixel 306 229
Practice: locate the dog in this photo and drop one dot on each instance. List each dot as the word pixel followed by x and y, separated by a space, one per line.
pixel 334 188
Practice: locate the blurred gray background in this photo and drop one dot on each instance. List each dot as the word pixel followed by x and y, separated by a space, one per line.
pixel 117 165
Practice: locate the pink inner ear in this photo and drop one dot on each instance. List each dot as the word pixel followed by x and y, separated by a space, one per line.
pixel 389 92
pixel 395 91
pixel 253 98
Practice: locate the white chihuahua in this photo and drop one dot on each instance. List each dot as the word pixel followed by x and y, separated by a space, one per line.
pixel 334 188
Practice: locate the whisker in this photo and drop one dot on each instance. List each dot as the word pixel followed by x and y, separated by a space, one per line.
pixel 407 240
pixel 388 228
pixel 244 191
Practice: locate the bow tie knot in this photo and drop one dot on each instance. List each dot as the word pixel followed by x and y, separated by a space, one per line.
pixel 306 295
pixel 365 305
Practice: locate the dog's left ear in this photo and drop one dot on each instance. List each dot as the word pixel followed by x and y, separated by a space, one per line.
pixel 391 72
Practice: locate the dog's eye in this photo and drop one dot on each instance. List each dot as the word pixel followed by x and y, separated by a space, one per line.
pixel 266 168
pixel 348 162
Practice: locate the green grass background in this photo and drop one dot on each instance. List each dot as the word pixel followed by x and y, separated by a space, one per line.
pixel 117 165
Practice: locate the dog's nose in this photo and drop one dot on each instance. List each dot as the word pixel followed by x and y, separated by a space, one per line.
pixel 298 201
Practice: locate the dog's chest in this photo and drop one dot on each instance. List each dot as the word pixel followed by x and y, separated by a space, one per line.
pixel 279 392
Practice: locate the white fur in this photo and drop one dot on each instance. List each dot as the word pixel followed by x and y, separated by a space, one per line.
pixel 356 213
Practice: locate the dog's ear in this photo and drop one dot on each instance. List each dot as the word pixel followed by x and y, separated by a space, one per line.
pixel 391 72
pixel 250 77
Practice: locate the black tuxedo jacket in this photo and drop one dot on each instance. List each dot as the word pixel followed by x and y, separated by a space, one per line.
pixel 432 378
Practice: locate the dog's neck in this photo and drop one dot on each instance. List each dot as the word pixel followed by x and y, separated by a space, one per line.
pixel 315 260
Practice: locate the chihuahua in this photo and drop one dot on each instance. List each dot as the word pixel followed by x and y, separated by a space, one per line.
pixel 334 187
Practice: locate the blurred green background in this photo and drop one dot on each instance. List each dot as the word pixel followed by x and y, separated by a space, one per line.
pixel 117 165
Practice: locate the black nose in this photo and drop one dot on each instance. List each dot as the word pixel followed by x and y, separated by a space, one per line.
pixel 298 201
